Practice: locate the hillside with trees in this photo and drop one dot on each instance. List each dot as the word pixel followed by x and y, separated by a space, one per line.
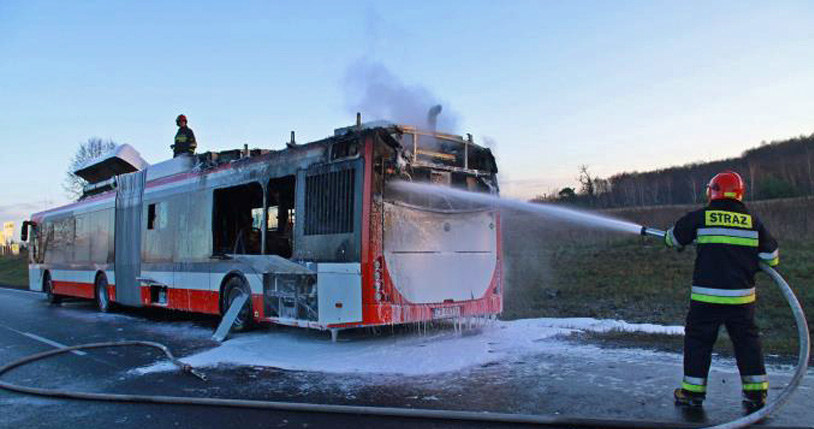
pixel 778 169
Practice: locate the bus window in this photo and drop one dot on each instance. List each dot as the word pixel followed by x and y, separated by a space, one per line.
pixel 33 243
pixel 99 232
pixel 47 243
pixel 151 216
pixel 81 239
pixel 233 229
pixel 63 239
pixel 157 216
pixel 280 224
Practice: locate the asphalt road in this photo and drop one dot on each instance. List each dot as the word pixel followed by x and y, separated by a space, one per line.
pixel 585 386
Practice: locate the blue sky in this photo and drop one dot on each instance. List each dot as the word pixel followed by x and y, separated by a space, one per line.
pixel 631 85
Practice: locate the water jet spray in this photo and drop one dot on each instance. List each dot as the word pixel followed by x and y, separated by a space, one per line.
pixel 580 217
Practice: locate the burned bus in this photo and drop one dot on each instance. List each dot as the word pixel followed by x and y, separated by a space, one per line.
pixel 312 233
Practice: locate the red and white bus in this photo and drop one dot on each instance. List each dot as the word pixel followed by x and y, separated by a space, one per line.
pixel 313 232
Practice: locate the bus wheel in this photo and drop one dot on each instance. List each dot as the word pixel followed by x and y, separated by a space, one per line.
pixel 48 288
pixel 102 297
pixel 234 287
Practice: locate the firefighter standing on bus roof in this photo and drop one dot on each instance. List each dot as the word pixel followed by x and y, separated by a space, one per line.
pixel 730 243
pixel 184 138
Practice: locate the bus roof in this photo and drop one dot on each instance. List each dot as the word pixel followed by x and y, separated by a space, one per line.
pixel 207 162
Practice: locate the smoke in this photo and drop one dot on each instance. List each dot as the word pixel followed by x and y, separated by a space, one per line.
pixel 372 89
pixel 492 145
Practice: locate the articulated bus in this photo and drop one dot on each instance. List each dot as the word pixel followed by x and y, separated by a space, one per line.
pixel 313 233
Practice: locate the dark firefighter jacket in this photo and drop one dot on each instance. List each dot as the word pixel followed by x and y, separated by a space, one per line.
pixel 184 141
pixel 730 242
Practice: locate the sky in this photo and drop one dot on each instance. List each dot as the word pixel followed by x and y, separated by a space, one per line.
pixel 549 86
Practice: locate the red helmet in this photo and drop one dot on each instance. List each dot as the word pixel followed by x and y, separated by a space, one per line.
pixel 727 184
pixel 180 118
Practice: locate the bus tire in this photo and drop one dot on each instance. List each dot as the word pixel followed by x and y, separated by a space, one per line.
pixel 102 298
pixel 233 288
pixel 48 288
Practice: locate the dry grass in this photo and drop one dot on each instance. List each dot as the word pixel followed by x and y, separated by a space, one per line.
pixel 14 271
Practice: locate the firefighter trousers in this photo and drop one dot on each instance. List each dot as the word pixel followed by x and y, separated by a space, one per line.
pixel 700 333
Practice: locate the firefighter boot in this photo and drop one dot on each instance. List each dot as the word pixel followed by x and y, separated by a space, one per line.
pixel 689 399
pixel 754 400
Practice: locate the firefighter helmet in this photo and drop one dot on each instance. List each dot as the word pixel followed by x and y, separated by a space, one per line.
pixel 727 184
pixel 179 119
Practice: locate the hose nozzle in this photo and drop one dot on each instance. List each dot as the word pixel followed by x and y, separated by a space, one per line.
pixel 652 231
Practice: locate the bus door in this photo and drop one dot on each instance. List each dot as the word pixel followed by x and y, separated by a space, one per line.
pixel 127 236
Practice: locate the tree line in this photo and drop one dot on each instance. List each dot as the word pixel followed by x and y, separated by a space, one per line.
pixel 777 169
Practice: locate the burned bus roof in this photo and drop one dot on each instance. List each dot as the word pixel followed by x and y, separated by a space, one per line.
pixel 212 161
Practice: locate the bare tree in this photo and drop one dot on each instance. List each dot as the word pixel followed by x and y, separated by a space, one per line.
pixel 586 181
pixel 602 188
pixel 93 148
pixel 752 179
pixel 809 170
pixel 693 188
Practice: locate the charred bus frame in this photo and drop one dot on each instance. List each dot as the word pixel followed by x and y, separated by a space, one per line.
pixel 312 232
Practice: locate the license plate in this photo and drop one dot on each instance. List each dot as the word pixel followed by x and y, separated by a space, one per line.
pixel 446 312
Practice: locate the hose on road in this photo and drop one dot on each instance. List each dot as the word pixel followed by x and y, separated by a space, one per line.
pixel 283 406
pixel 802 365
pixel 802 356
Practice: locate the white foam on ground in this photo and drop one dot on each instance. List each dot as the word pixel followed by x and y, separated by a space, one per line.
pixel 408 354
pixel 604 325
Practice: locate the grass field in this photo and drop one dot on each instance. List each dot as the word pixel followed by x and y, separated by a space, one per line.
pixel 14 271
pixel 636 279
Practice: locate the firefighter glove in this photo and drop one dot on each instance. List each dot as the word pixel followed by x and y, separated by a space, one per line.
pixel 670 240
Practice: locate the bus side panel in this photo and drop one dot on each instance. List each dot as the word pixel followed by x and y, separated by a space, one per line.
pixel 191 216
pixel 73 283
pixel 35 277
pixel 127 239
pixel 340 293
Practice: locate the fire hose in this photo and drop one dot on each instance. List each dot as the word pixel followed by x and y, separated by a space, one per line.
pixel 802 365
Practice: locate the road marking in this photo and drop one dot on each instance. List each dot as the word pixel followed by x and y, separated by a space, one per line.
pixel 46 341
pixel 52 343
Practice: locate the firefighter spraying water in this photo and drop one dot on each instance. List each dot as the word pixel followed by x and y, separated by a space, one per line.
pixel 730 243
